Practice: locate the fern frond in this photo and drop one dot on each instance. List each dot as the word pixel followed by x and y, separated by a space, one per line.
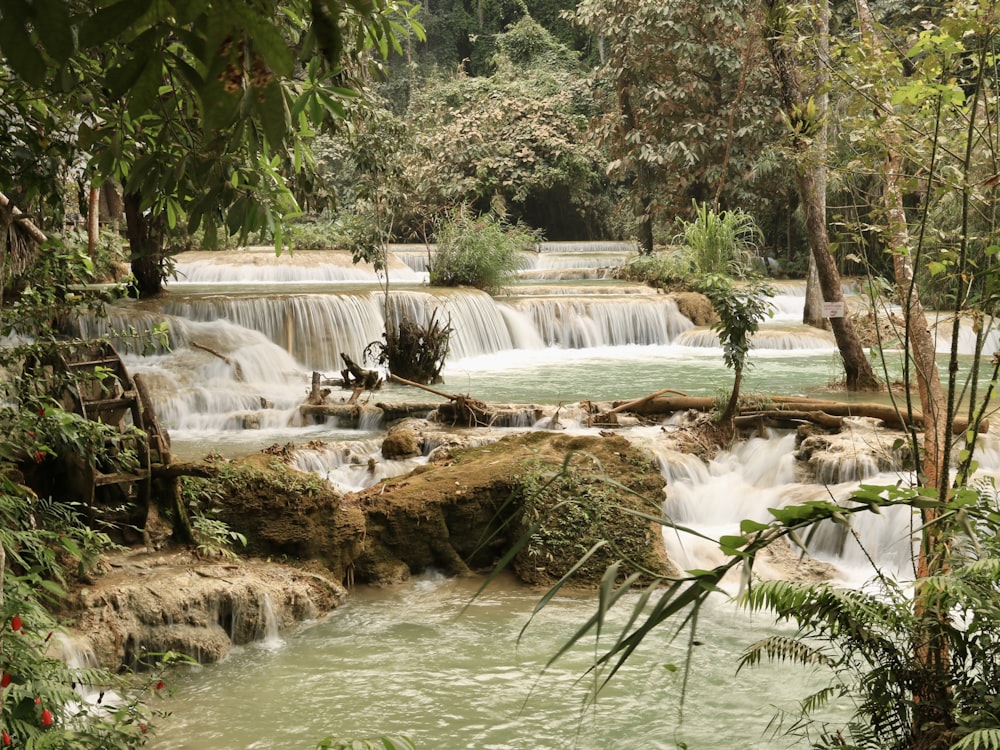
pixel 980 739
pixel 781 648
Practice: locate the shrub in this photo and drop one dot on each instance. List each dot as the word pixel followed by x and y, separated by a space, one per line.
pixel 665 269
pixel 721 243
pixel 483 252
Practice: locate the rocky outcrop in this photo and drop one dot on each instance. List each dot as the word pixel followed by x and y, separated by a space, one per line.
pixel 464 511
pixel 468 509
pixel 696 307
pixel 148 604
pixel 285 513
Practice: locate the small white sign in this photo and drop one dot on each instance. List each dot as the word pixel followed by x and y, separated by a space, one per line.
pixel 833 309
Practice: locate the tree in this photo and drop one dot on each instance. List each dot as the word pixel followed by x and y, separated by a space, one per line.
pixel 193 107
pixel 806 117
pixel 515 140
pixel 690 106
pixel 741 308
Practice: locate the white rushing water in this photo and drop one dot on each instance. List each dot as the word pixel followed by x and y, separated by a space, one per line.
pixel 426 659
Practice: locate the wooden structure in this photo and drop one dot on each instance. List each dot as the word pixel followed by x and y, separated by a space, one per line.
pixel 97 386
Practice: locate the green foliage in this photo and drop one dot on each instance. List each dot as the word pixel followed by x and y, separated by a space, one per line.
pixel 40 705
pixel 479 251
pixel 867 636
pixel 687 106
pixel 199 110
pixel 212 536
pixel 516 139
pixel 741 309
pixel 579 522
pixel 721 243
pixel 665 269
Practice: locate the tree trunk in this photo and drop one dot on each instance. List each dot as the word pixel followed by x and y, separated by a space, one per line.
pixel 93 220
pixel 145 247
pixel 812 311
pixel 811 183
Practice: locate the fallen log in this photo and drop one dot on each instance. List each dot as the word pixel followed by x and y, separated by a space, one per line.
pixel 884 412
pixel 785 416
pixel 629 405
pixel 462 410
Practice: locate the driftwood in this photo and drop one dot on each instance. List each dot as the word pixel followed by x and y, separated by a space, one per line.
pixel 237 370
pixel 461 409
pixel 356 377
pixel 630 405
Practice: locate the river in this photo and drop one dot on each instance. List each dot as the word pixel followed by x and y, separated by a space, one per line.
pixel 429 659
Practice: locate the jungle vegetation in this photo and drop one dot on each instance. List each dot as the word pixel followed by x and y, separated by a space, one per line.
pixel 861 136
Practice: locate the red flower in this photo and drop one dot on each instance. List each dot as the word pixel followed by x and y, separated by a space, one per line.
pixel 5 680
pixel 159 685
pixel 15 623
pixel 39 457
pixel 46 718
pixel 6 738
pixel 37 700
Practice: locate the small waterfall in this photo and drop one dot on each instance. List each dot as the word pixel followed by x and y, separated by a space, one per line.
pixel 78 655
pixel 261 265
pixel 760 474
pixel 351 466
pixel 269 635
pixel 580 323
pixel 773 337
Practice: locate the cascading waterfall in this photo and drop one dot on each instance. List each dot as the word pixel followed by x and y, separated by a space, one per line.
pixel 744 482
pixel 269 632
pixel 243 343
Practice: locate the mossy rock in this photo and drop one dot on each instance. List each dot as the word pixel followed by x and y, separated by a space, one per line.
pixel 468 508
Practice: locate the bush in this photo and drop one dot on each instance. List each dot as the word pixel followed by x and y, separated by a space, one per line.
pixel 721 243
pixel 664 270
pixel 482 252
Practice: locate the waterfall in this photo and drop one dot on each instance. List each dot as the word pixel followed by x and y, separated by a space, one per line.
pixel 352 466
pixel 581 323
pixel 744 482
pixel 79 657
pixel 262 265
pixel 269 631
pixel 768 337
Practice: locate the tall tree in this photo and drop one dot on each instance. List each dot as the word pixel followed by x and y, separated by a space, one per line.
pixel 806 116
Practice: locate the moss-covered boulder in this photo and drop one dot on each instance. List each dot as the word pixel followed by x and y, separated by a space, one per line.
pixel 470 506
pixel 285 513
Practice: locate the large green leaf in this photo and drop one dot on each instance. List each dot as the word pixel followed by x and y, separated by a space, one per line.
pixel 111 22
pixel 18 49
pixel 54 28
pixel 274 115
